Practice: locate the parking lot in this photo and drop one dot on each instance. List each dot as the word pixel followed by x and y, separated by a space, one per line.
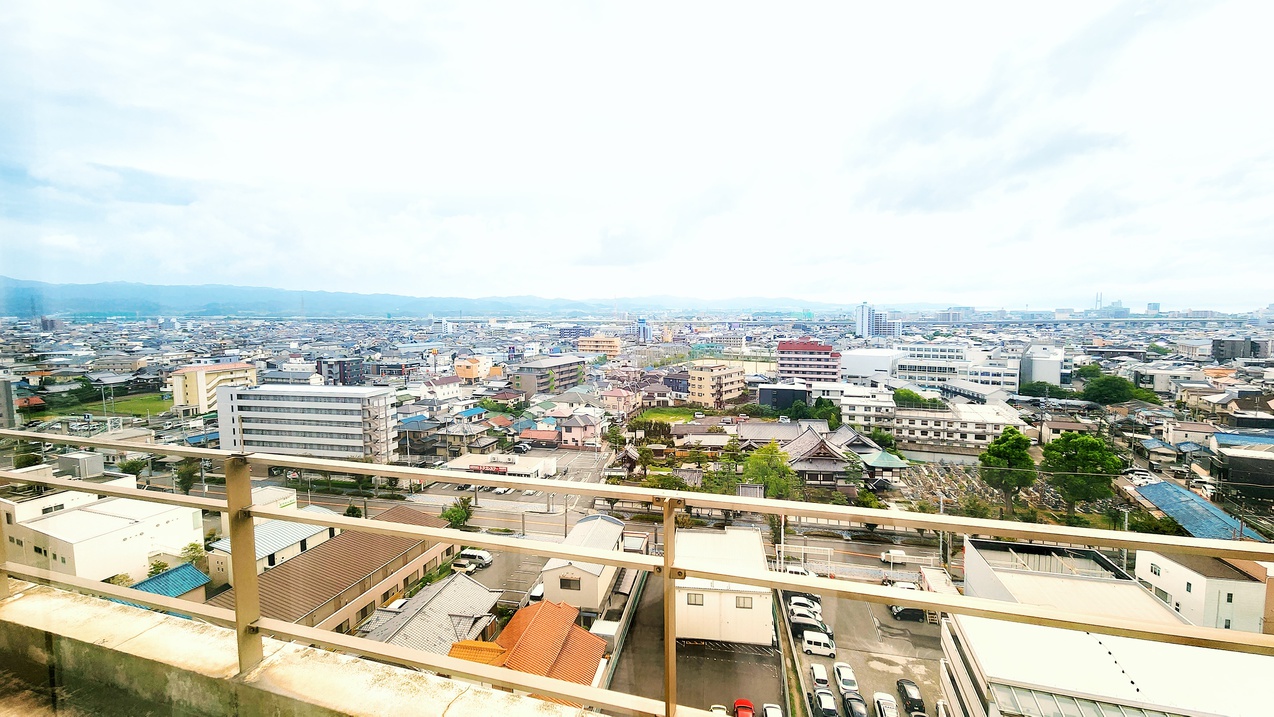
pixel 881 650
pixel 514 573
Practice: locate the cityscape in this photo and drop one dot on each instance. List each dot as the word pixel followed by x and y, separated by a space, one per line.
pixel 698 360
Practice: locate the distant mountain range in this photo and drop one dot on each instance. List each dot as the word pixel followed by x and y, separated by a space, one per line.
pixel 36 298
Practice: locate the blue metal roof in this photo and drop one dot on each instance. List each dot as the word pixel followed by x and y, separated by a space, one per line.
pixel 1196 514
pixel 174 582
pixel 1151 444
pixel 475 411
pixel 203 438
pixel 1241 439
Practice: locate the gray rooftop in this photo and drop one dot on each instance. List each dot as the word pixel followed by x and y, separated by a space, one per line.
pixel 275 535
pixel 456 608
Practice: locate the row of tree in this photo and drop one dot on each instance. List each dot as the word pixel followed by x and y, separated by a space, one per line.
pixel 1080 467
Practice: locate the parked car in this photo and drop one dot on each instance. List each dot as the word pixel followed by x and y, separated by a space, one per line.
pixel 814 642
pixel 855 705
pixel 885 705
pixel 796 570
pixel 789 594
pixel 818 674
pixel 771 710
pixel 801 602
pixel 893 556
pixel 743 708
pixel 823 703
pixel 464 486
pixel 460 565
pixel 910 694
pixel 846 681
pixel 476 555
pixel 907 613
pixel 802 613
pixel 521 448
pixel 718 710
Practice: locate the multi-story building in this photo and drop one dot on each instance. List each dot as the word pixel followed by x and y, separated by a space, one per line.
pixel 807 360
pixel 933 364
pixel 550 374
pixel 342 371
pixel 868 323
pixel 598 344
pixel 120 363
pixel 1205 590
pixel 196 386
pixel 393 367
pixel 715 385
pixel 572 333
pixel 1241 347
pixel 473 369
pixel 322 421
pixel 1045 363
pixel 968 426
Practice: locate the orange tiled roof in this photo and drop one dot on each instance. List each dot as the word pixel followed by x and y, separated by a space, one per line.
pixel 488 653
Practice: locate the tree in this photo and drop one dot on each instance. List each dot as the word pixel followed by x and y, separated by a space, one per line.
pixel 615 437
pixel 768 466
pixel 132 467
pixel 868 499
pixel 156 567
pixel 185 476
pixel 645 457
pixel 458 515
pixel 974 507
pixel 121 580
pixel 1087 371
pixel 194 554
pixel 1115 389
pixel 799 410
pixel 1007 465
pixel 908 398
pixel 25 460
pixel 884 439
pixel 664 481
pixel 353 511
pixel 825 409
pixel 1082 468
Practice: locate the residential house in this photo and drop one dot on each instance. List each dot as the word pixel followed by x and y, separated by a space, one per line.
pixel 581 431
pixel 1206 591
pixel 455 609
pixel 582 584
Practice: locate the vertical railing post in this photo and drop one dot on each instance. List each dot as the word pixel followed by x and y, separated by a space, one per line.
pixel 4 560
pixel 243 562
pixel 670 575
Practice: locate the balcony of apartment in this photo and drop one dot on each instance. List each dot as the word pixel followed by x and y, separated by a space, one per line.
pixel 58 635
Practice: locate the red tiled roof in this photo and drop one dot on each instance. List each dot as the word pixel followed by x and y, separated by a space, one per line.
pixel 534 435
pixel 29 402
pixel 501 421
pixel 805 344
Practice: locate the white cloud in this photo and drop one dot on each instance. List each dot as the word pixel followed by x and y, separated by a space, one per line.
pixel 997 155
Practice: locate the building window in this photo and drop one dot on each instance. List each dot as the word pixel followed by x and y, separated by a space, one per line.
pixel 303 545
pixel 269 560
pixel 694 598
pixel 1227 624
pixel 1229 597
pixel 742 603
pixel 1154 569
pixel 1189 587
pixel 8 518
pixel 568 583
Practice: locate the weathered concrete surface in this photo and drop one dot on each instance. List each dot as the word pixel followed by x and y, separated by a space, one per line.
pixel 60 642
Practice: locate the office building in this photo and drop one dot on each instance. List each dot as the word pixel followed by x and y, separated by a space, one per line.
pixel 551 374
pixel 321 421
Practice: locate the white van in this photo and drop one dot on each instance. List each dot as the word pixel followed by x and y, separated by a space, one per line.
pixel 817 643
pixel 481 557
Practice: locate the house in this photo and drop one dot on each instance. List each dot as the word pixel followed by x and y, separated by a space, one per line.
pixel 339 584
pixel 580 431
pixel 1052 430
pixel 582 584
pixel 542 639
pixel 1206 591
pixel 656 395
pixel 540 438
pixel 183 582
pixel 723 611
pixel 619 402
pixel 455 609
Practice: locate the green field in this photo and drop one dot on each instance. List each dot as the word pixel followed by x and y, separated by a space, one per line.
pixel 668 415
pixel 136 405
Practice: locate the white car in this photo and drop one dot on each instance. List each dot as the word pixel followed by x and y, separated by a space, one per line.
pixel 800 612
pixel 845 680
pixel 796 570
pixel 886 706
pixel 718 710
pixel 771 710
pixel 805 604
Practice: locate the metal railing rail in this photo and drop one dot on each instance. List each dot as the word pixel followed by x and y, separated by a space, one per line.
pixel 250 624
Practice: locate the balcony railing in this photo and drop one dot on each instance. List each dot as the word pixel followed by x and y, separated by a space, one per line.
pixel 250 625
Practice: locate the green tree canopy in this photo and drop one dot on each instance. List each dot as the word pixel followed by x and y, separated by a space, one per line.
pixel 132 467
pixel 459 513
pixel 645 457
pixel 1007 465
pixel 827 410
pixel 768 466
pixel 25 460
pixel 1116 389
pixel 664 481
pixel 1082 468
pixel 156 567
pixel 353 511
pixel 1087 371
pixel 911 399
pixel 185 476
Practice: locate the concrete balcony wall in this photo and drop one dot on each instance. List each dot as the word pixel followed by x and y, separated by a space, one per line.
pixel 190 667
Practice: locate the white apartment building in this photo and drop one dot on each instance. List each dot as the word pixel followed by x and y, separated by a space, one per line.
pixel 1206 591
pixel 932 364
pixel 960 425
pixel 197 385
pixel 858 365
pixel 1045 363
pixel 859 405
pixel 320 421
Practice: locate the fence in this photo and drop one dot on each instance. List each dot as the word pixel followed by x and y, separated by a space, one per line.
pixel 250 625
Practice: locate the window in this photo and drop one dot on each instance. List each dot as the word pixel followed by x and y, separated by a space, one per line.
pixel 568 583
pixel 269 560
pixel 303 545
pixel 1154 569
pixel 694 598
pixel 8 518
pixel 742 603
pixel 1227 624
pixel 1189 587
pixel 1229 597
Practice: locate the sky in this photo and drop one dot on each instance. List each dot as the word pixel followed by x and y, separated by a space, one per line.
pixel 998 155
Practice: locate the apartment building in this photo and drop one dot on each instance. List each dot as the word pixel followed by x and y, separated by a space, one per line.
pixel 119 363
pixel 342 371
pixel 196 386
pixel 321 421
pixel 598 344
pixel 715 385
pixel 860 406
pixel 550 374
pixel 868 323
pixel 473 369
pixel 960 425
pixel 1206 591
pixel 807 360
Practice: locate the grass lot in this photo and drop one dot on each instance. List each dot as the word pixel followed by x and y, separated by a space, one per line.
pixel 668 415
pixel 136 405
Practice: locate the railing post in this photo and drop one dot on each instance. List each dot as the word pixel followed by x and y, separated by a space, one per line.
pixel 243 562
pixel 4 559
pixel 670 575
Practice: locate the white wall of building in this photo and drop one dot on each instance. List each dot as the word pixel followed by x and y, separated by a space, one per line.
pixel 1203 600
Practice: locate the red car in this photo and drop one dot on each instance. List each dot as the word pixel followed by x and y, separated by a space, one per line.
pixel 743 708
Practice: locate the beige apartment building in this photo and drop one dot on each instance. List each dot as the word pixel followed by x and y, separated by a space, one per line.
pixel 609 345
pixel 474 369
pixel 715 385
pixel 119 364
pixel 197 385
